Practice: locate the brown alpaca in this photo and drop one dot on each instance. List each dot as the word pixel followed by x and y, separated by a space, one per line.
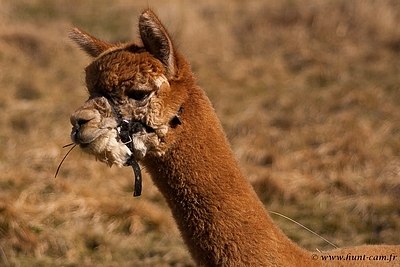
pixel 175 133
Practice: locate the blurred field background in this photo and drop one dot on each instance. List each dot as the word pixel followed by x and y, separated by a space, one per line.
pixel 307 91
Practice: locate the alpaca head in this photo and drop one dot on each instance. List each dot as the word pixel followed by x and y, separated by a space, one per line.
pixel 132 87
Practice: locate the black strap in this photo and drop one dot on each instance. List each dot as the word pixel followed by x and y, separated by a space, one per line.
pixel 176 120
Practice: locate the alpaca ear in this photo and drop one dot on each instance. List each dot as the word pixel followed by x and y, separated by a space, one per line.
pixel 91 45
pixel 157 41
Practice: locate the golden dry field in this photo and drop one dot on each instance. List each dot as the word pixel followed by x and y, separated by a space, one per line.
pixel 308 92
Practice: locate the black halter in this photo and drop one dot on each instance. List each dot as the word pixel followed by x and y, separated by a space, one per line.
pixel 125 130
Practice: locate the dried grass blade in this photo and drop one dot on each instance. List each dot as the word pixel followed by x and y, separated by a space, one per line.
pixel 66 155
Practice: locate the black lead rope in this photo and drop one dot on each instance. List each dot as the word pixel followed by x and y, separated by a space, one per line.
pixel 137 191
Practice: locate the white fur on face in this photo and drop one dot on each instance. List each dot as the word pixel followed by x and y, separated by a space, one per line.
pixel 107 149
pixel 99 136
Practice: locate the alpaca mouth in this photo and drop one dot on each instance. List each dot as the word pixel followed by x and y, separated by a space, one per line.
pixel 83 139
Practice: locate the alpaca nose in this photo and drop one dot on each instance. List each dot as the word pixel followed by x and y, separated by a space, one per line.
pixel 81 117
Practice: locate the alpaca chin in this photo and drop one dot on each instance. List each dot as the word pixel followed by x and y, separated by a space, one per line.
pixel 106 148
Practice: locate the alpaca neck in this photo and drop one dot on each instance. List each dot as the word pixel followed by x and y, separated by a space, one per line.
pixel 218 213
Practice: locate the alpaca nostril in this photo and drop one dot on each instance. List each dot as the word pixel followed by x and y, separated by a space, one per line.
pixel 77 123
pixel 81 117
pixel 81 122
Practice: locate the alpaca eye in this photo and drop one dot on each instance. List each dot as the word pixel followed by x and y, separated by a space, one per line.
pixel 138 95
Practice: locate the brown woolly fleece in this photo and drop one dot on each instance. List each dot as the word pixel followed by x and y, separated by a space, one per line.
pixel 221 219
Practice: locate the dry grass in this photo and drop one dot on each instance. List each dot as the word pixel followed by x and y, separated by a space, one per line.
pixel 308 92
